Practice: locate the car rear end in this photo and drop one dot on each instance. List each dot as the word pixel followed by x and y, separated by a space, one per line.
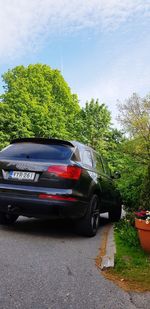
pixel 41 178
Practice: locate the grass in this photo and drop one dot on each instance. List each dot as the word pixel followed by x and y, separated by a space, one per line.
pixel 132 266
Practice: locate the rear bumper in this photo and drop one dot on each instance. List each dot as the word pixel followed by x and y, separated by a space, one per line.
pixel 30 205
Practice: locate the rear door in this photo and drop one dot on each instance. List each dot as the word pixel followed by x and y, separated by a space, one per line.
pixel 34 164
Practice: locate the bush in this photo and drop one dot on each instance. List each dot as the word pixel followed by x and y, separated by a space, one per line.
pixel 127 232
pixel 145 194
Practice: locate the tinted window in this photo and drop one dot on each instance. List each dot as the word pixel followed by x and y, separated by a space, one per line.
pixel 36 151
pixel 107 169
pixel 87 158
pixel 98 162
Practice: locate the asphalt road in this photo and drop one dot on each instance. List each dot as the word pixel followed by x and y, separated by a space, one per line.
pixel 44 264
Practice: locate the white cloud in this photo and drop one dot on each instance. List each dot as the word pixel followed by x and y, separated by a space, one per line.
pixel 25 24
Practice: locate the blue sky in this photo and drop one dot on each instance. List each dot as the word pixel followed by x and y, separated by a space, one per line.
pixel 102 47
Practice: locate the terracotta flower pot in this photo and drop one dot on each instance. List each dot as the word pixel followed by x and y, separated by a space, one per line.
pixel 144 233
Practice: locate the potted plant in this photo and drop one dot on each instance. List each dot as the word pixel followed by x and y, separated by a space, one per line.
pixel 142 223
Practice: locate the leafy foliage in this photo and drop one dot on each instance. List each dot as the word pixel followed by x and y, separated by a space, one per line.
pixel 131 182
pixel 37 102
pixel 135 118
pixel 135 184
pixel 95 123
pixel 127 233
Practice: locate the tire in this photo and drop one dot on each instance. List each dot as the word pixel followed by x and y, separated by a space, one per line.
pixel 7 219
pixel 115 215
pixel 89 224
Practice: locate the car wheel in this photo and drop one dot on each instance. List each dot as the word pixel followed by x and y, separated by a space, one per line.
pixel 115 214
pixel 6 219
pixel 89 224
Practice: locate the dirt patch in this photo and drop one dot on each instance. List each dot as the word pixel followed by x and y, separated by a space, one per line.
pixel 127 285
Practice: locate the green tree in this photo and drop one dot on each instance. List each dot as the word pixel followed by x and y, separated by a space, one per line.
pixel 94 124
pixel 36 102
pixel 114 140
pixel 135 118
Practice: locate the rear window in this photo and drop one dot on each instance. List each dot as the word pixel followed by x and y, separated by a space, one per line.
pixel 36 151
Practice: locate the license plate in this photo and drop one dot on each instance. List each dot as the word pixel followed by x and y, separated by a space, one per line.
pixel 21 175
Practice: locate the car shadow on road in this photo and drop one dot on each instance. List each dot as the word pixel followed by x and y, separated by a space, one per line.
pixel 45 227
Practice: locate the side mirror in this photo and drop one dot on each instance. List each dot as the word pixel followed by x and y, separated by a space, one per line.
pixel 116 175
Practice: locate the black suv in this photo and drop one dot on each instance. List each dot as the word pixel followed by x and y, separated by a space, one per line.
pixel 56 178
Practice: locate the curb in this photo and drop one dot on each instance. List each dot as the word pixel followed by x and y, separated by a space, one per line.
pixel 107 259
pixel 108 248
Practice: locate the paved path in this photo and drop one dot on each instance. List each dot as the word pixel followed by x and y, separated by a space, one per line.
pixel 46 265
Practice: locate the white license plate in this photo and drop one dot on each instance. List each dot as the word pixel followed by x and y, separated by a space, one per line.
pixel 21 175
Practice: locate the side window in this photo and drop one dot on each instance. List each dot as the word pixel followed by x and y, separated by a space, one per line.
pixel 87 158
pixel 107 169
pixel 98 164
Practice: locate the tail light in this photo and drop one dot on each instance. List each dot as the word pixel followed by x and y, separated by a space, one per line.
pixel 57 197
pixel 65 171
